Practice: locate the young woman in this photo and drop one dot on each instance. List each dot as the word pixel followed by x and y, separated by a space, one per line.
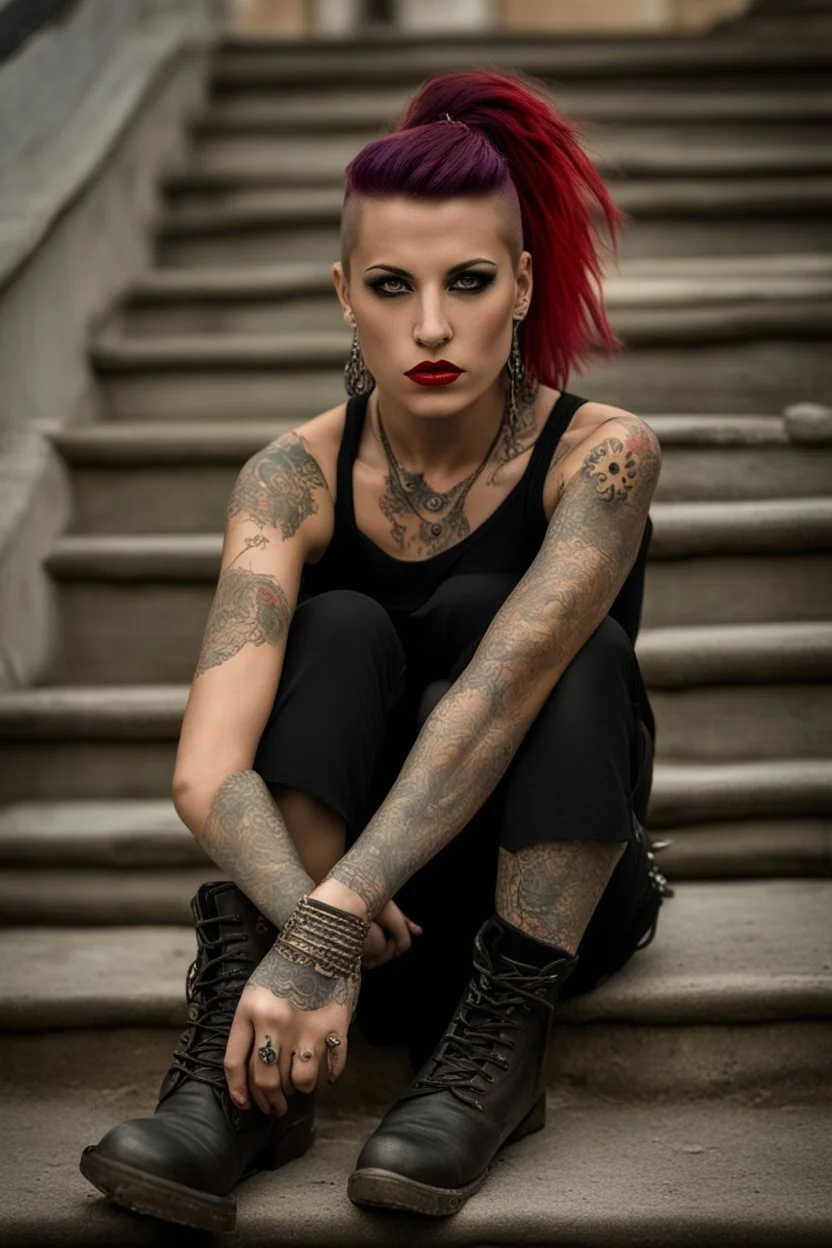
pixel 418 682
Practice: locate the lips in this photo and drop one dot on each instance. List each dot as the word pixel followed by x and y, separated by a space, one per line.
pixel 434 373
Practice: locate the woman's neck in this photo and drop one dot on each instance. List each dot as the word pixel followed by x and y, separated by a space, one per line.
pixel 438 446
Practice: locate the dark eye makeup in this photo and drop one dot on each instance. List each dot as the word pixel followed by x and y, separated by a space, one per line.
pixel 482 280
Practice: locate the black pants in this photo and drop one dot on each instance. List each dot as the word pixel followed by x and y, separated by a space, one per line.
pixel 345 716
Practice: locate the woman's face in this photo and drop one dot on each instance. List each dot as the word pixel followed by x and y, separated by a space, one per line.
pixel 434 280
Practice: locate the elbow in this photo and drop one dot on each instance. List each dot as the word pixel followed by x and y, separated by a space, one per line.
pixel 192 800
pixel 193 795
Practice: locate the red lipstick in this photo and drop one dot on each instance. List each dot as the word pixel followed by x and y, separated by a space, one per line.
pixel 434 373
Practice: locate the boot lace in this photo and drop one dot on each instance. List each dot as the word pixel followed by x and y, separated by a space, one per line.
pixel 468 1045
pixel 211 1013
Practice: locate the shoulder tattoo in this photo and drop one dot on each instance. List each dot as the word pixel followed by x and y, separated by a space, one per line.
pixel 276 487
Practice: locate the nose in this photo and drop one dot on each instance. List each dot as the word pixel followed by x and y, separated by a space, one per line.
pixel 432 328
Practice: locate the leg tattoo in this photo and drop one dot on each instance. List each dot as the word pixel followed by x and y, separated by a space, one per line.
pixel 550 889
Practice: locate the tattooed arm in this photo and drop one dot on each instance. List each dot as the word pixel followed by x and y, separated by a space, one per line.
pixel 279 510
pixel 465 746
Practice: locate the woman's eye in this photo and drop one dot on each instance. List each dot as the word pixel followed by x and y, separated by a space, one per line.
pixel 479 281
pixel 385 282
pixel 465 282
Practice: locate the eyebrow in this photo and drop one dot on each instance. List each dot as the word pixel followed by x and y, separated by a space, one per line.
pixel 457 268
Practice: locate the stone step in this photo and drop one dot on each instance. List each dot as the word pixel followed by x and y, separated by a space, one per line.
pixel 105 581
pixel 716 59
pixel 711 565
pixel 624 1170
pixel 118 741
pixel 744 848
pixel 333 108
pixel 727 958
pixel 782 800
pixel 617 151
pixel 211 223
pixel 70 743
pixel 128 476
pixel 287 297
pixel 769 357
pixel 42 894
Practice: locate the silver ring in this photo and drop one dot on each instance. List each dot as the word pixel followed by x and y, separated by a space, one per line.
pixel 267 1052
pixel 332 1040
pixel 306 1055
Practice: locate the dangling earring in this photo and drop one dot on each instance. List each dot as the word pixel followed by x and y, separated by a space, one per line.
pixel 357 377
pixel 522 390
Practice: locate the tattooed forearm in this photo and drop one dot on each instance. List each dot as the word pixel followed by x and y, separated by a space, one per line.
pixel 550 889
pixel 246 836
pixel 301 984
pixel 276 487
pixel 248 608
pixel 470 738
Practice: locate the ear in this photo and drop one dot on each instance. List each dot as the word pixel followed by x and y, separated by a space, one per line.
pixel 342 290
pixel 525 283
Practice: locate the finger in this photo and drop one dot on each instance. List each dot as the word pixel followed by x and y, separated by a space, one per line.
pixel 414 927
pixel 336 1060
pixel 400 933
pixel 287 1054
pixel 306 1064
pixel 236 1056
pixel 264 1081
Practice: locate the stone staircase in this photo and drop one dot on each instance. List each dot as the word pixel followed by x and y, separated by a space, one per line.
pixel 689 1095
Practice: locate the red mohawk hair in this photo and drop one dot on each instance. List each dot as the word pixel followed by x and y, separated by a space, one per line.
pixel 513 134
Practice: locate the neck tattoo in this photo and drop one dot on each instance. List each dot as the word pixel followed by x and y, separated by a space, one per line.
pixel 409 491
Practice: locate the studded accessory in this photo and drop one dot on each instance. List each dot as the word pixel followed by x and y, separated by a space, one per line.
pixel 448 118
pixel 306 1055
pixel 357 377
pixel 413 490
pixel 324 937
pixel 267 1052
pixel 332 1041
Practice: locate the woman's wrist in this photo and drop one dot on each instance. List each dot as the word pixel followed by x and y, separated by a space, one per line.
pixel 334 893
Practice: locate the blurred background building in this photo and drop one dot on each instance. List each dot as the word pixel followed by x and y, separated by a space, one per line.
pixel 332 17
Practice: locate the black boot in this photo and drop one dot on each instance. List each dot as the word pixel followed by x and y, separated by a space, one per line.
pixel 483 1087
pixel 182 1163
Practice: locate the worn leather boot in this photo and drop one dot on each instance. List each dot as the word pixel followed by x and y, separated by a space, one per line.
pixel 182 1163
pixel 483 1087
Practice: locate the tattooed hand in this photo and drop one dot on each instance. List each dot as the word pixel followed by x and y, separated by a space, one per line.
pixel 290 1008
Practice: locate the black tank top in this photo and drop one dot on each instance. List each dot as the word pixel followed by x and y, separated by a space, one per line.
pixel 506 541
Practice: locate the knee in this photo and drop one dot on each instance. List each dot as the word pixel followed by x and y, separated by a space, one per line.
pixel 344 639
pixel 457 614
pixel 604 660
pixel 473 598
pixel 344 622
pixel 596 686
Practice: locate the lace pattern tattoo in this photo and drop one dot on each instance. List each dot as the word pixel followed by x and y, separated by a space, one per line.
pixel 276 487
pixel 249 608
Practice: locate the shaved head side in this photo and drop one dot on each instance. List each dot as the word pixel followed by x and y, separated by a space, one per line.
pixel 506 205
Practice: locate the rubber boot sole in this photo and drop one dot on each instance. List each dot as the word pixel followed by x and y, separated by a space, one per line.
pixel 161 1198
pixel 384 1189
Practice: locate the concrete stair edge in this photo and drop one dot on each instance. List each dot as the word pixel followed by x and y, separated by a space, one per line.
pixel 133 833
pixel 756 977
pixel 656 323
pixel 655 1160
pixel 680 530
pixel 149 443
pixel 285 200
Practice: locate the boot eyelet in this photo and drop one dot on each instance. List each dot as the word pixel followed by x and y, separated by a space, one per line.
pixel 193 1013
